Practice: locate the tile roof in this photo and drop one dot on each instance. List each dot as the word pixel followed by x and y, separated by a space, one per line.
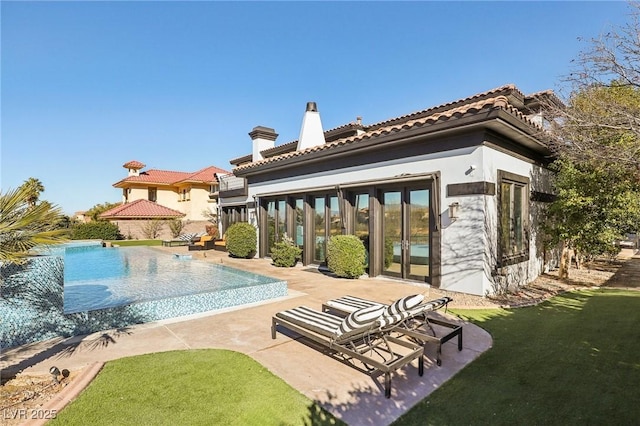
pixel 141 209
pixel 167 177
pixel 502 98
pixel 134 165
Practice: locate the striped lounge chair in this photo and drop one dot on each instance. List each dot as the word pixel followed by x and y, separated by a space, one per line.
pixel 363 335
pixel 417 326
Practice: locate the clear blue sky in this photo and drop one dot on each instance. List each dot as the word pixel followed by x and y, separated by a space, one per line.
pixel 88 86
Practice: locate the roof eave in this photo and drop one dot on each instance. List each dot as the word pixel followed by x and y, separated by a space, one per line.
pixel 367 144
pixel 496 119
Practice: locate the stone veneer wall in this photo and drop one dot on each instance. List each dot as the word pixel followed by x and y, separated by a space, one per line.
pixel 133 229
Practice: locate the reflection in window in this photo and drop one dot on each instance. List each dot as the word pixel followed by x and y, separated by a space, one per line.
pixel 298 229
pixel 319 229
pixel 513 208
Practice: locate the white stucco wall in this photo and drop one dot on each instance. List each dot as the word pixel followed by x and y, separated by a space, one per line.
pixel 469 244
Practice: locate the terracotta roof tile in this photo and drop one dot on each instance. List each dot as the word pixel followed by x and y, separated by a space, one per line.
pixel 141 209
pixel 167 177
pixel 134 165
pixel 206 175
pixel 438 114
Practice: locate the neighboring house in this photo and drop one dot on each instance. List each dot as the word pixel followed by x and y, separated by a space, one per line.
pixel 81 217
pixel 449 196
pixel 162 195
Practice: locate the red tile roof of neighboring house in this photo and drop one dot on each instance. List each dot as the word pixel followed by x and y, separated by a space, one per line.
pixel 167 177
pixel 134 165
pixel 140 209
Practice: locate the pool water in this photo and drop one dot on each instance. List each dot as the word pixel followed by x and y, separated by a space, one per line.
pixel 98 278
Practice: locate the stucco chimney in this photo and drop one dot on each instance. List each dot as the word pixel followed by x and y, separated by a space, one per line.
pixel 263 138
pixel 311 133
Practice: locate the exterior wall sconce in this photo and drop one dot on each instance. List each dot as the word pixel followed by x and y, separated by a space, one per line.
pixel 454 209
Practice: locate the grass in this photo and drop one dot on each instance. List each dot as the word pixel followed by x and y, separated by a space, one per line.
pixel 574 359
pixel 195 387
pixel 128 243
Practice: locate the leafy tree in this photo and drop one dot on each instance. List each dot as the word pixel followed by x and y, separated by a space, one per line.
pixel 33 188
pixel 24 226
pixel 601 120
pixel 596 136
pixel 98 209
pixel 595 206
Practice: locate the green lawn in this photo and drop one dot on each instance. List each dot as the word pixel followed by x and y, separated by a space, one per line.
pixel 195 387
pixel 572 360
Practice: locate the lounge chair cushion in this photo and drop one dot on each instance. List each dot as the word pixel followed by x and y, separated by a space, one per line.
pixel 359 320
pixel 400 309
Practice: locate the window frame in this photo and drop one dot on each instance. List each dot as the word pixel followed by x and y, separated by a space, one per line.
pixel 508 257
pixel 152 194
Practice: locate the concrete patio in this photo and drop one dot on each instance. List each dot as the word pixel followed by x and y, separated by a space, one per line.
pixel 353 396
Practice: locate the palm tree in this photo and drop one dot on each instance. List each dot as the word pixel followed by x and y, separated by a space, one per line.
pixel 35 188
pixel 24 225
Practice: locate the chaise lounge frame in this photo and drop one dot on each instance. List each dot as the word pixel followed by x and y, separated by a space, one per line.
pixel 411 326
pixel 358 344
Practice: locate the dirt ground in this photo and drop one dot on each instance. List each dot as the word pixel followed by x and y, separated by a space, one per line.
pixel 23 397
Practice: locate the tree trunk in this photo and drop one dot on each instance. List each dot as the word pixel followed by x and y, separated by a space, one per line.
pixel 565 260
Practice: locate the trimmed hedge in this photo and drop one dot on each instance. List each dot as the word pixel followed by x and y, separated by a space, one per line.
pixel 96 230
pixel 346 256
pixel 241 240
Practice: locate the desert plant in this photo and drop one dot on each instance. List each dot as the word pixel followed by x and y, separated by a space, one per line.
pixel 346 256
pixel 100 230
pixel 285 253
pixel 241 240
pixel 176 226
pixel 151 228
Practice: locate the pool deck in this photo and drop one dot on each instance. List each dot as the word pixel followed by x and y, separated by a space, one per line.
pixel 349 394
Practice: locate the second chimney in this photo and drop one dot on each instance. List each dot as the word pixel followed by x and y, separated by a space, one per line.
pixel 263 138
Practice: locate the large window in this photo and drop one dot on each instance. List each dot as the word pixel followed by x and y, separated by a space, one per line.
pixel 153 194
pixel 233 214
pixel 513 216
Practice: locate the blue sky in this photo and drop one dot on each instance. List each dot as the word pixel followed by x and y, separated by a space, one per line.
pixel 88 86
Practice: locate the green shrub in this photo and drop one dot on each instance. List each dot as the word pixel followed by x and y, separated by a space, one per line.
pixel 285 253
pixel 241 240
pixel 98 229
pixel 346 256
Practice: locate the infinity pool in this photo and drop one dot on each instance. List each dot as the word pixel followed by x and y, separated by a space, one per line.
pixel 99 278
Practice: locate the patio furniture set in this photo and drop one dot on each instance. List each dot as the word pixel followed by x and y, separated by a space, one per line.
pixel 375 337
pixel 196 242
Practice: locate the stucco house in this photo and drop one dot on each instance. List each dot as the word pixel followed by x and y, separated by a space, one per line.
pixel 449 196
pixel 154 194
